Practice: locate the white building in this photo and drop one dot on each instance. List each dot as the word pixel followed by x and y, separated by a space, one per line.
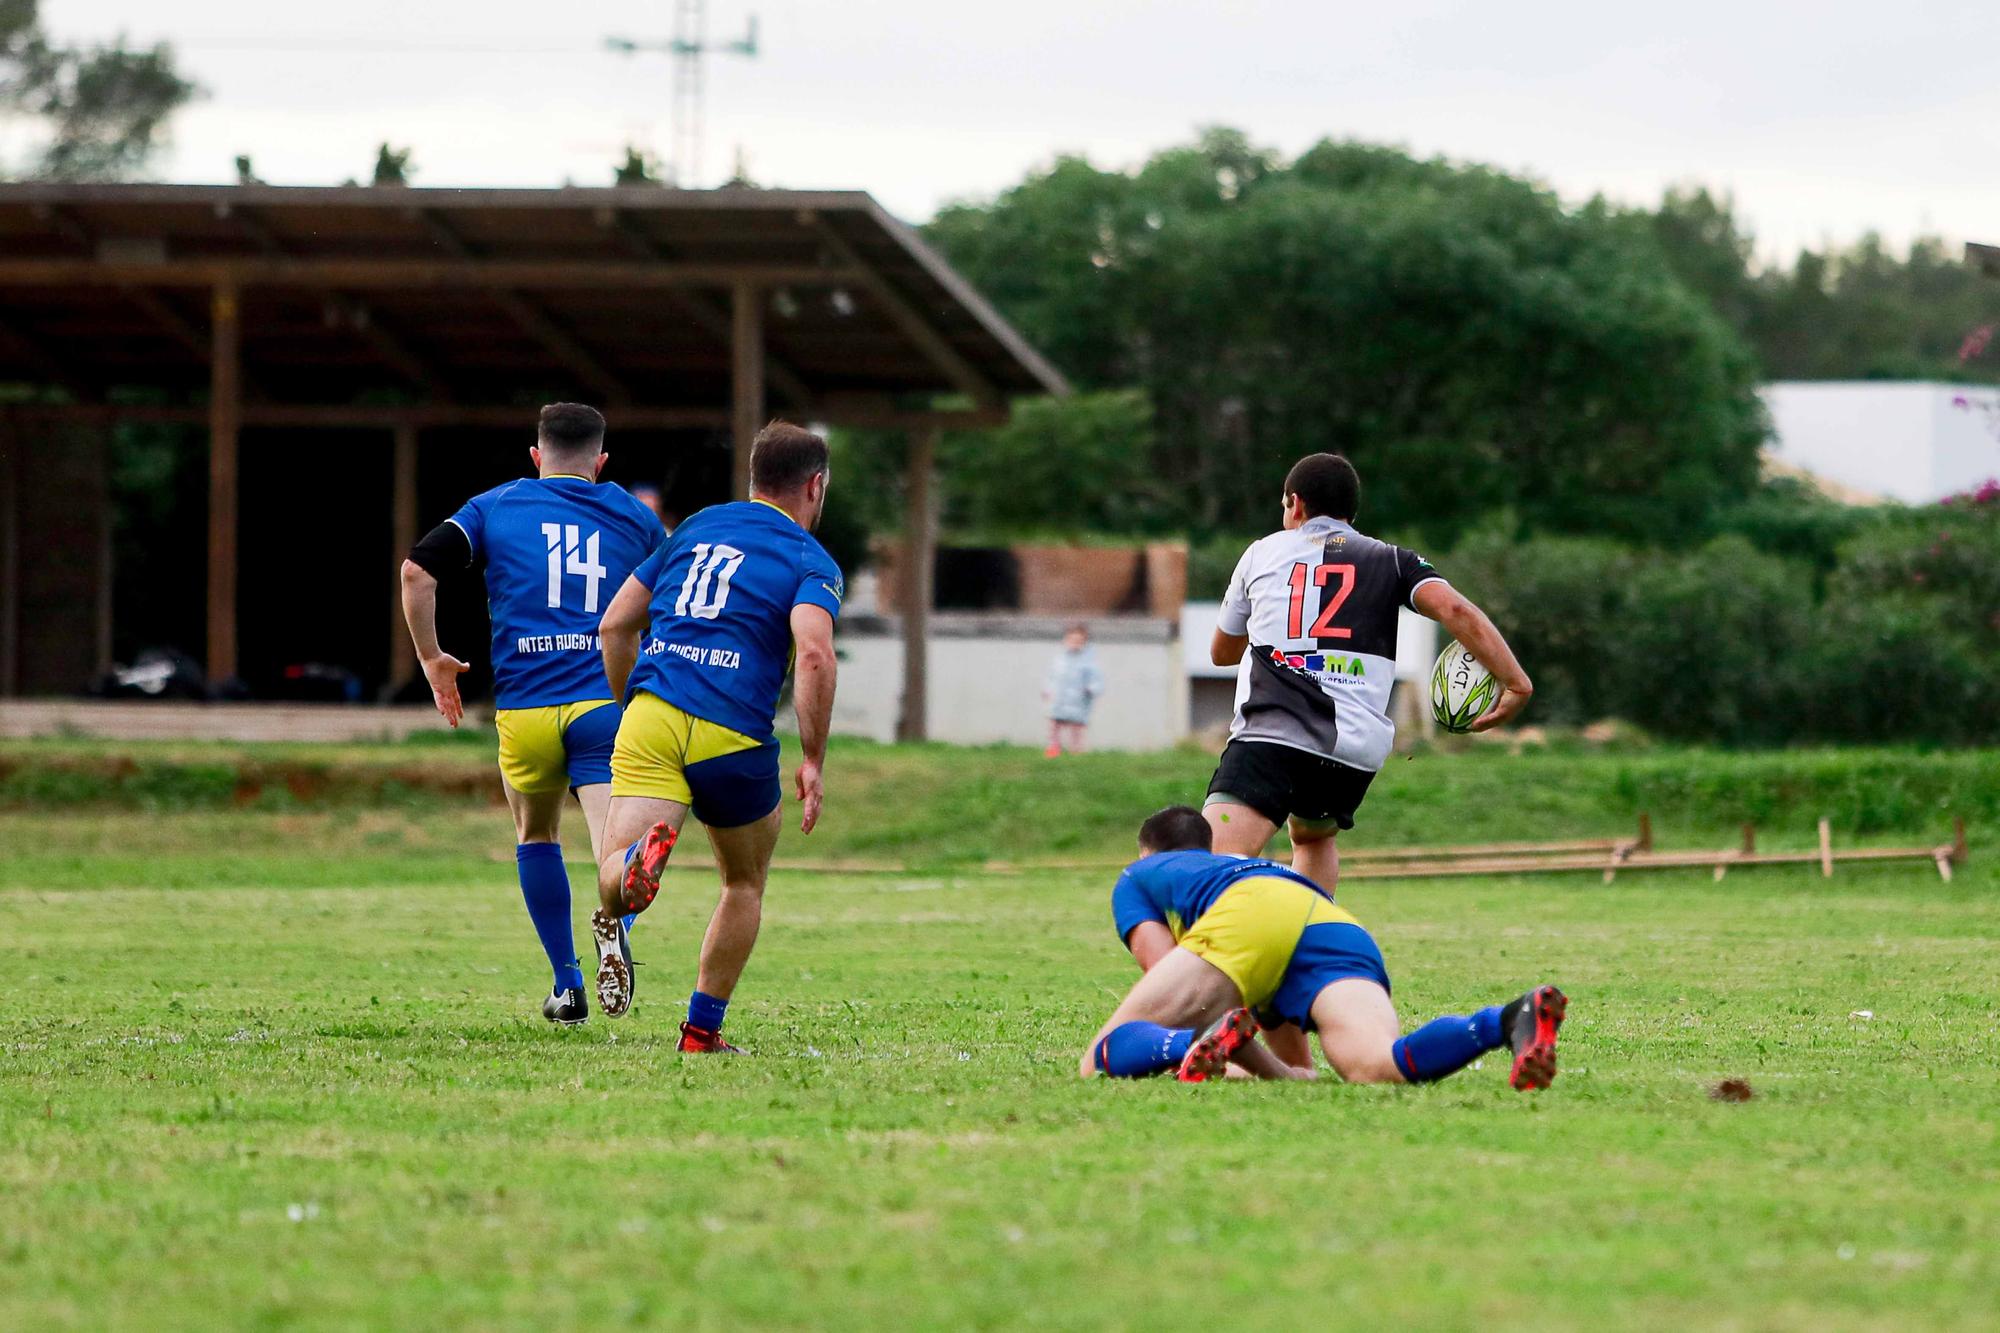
pixel 1893 440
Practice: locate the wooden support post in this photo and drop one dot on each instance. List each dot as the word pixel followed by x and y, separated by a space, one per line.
pixel 1645 832
pixel 919 563
pixel 402 536
pixel 746 414
pixel 10 554
pixel 225 415
pixel 100 447
pixel 1825 849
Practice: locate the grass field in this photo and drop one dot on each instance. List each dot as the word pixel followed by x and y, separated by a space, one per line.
pixel 281 1065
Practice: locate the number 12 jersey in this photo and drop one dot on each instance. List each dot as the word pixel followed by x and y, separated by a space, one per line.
pixel 723 591
pixel 1319 604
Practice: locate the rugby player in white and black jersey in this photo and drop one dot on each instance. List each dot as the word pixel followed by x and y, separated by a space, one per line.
pixel 1310 622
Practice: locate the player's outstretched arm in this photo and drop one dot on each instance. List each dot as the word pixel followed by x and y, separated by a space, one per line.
pixel 813 676
pixel 618 633
pixel 441 669
pixel 1471 627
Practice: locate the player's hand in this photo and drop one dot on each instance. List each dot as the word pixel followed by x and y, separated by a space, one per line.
pixel 1505 709
pixel 443 672
pixel 812 790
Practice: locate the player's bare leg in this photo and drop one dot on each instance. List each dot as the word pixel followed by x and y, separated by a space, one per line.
pixel 1314 854
pixel 1357 1029
pixel 642 823
pixel 743 856
pixel 1185 993
pixel 545 889
pixel 1238 830
pixel 537 815
pixel 595 799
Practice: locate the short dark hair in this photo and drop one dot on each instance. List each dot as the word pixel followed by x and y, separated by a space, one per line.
pixel 785 457
pixel 571 428
pixel 1178 828
pixel 1328 484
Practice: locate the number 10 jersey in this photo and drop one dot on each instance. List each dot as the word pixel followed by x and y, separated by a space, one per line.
pixel 557 550
pixel 723 591
pixel 1319 604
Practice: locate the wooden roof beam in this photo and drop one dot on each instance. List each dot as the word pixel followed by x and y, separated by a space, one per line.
pixel 713 317
pixel 361 316
pixel 21 348
pixel 155 307
pixel 364 416
pixel 533 320
pixel 402 274
pixel 915 326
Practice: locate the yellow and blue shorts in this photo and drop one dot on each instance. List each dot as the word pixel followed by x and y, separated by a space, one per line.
pixel 665 752
pixel 1283 943
pixel 557 746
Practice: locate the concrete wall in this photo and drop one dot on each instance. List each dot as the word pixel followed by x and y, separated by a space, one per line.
pixel 1914 442
pixel 986 680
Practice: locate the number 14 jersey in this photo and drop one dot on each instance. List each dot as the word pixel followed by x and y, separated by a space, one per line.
pixel 723 591
pixel 557 550
pixel 1319 603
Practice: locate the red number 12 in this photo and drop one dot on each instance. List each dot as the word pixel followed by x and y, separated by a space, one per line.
pixel 1323 628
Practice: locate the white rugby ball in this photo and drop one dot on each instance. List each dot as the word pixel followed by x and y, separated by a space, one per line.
pixel 1461 689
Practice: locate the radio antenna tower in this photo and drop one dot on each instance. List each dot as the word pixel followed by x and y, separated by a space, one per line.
pixel 689 46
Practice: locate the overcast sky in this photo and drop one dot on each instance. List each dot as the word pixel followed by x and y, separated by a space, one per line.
pixel 1825 120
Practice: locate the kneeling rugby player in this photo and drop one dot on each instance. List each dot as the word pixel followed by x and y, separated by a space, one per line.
pixel 1229 943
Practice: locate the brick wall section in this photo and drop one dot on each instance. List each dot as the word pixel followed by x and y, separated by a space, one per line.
pixel 1073 580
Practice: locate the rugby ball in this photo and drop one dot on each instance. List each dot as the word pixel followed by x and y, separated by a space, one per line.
pixel 1461 689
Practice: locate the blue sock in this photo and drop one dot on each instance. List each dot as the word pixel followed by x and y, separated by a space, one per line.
pixel 1446 1045
pixel 1134 1050
pixel 706 1012
pixel 545 889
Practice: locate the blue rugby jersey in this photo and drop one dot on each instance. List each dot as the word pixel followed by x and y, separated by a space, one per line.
pixel 1175 888
pixel 557 550
pixel 724 587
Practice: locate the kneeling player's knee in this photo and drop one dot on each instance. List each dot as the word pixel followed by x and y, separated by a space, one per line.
pixel 1358 1063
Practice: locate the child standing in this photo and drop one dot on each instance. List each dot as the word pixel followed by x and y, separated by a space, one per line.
pixel 1071 689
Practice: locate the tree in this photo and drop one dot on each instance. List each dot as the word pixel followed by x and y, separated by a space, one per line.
pixel 638 168
pixel 392 166
pixel 102 109
pixel 1475 346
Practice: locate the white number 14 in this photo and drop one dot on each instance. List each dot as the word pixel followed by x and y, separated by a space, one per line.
pixel 570 553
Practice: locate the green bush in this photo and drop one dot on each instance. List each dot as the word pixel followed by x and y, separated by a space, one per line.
pixel 1898 641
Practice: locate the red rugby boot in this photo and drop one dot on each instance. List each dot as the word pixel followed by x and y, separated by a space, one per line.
pixel 1209 1056
pixel 700 1041
pixel 1534 1039
pixel 642 873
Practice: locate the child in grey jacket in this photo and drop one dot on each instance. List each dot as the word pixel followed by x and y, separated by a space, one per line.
pixel 1071 689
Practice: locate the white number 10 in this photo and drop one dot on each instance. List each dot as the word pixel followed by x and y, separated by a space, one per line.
pixel 707 587
pixel 568 554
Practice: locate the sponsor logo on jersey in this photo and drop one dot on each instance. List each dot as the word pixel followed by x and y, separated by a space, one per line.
pixel 1321 664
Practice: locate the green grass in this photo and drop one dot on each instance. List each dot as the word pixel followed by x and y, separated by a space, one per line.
pixel 283 1069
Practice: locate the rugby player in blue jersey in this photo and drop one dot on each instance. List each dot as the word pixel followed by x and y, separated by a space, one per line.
pixel 555 548
pixel 739 593
pixel 1231 943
